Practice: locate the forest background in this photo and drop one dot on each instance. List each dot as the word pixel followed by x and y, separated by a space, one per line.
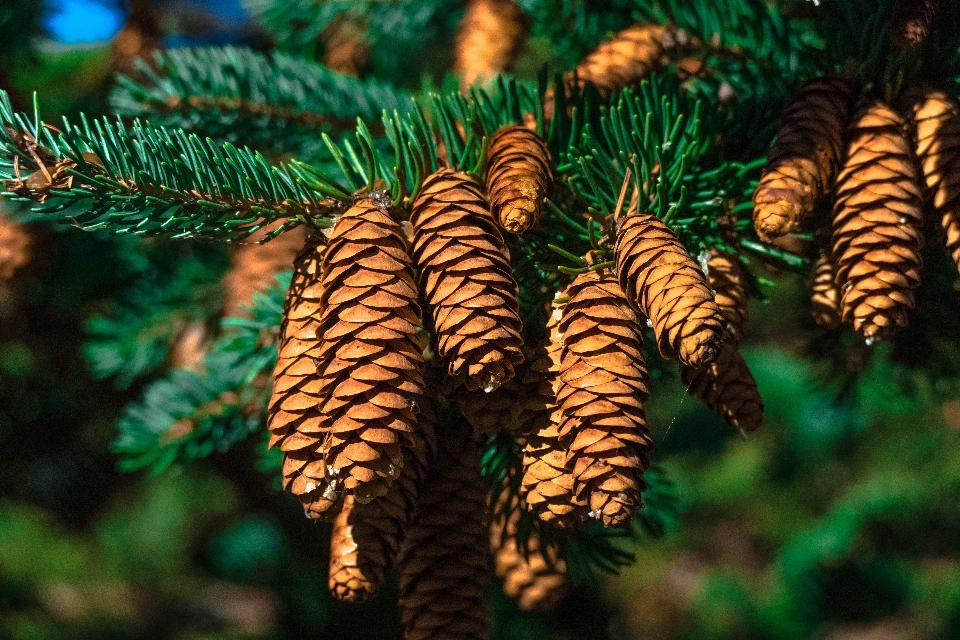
pixel 839 519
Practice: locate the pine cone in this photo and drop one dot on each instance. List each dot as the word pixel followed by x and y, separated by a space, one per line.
pixel 466 281
pixel 877 226
pixel 366 537
pixel 547 483
pixel 805 157
pixel 825 296
pixel 937 121
pixel 729 283
pixel 728 388
pixel 491 412
pixel 490 38
pixel 371 356
pixel 343 405
pixel 534 575
pixel 344 47
pixel 602 388
pixel 627 58
pixel 911 23
pixel 16 246
pixel 444 562
pixel 295 421
pixel 254 267
pixel 519 178
pixel 660 277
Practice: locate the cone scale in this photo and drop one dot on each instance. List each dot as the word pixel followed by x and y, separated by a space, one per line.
pixel 466 281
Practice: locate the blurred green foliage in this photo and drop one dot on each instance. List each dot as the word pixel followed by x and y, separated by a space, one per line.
pixel 840 519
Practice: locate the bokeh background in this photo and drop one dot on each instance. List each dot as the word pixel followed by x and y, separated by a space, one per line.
pixel 839 519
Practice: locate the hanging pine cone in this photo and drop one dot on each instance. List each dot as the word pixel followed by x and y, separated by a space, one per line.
pixel 466 281
pixel 728 388
pixel 519 178
pixel 936 120
pixel 728 280
pixel 547 483
pixel 371 380
pixel 254 267
pixel 344 47
pixel 366 537
pixel 490 38
pixel 627 58
pixel 602 387
pixel 444 561
pixel 804 159
pixel 877 226
pixel 295 422
pixel 15 246
pixel 912 22
pixel 660 277
pixel 825 295
pixel 343 406
pixel 535 574
pixel 491 412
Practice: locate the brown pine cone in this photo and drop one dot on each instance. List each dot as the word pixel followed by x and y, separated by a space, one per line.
pixel 16 246
pixel 371 356
pixel 728 388
pixel 519 177
pixel 936 119
pixel 490 412
pixel 534 575
pixel 254 267
pixel 602 387
pixel 825 295
pixel 663 281
pixel 627 58
pixel 804 159
pixel 344 47
pixel 295 422
pixel 366 537
pixel 912 22
pixel 547 483
pixel 444 561
pixel 491 36
pixel 877 226
pixel 729 283
pixel 466 280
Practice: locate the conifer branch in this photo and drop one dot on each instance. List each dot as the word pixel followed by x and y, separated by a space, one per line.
pixel 233 94
pixel 191 414
pixel 153 182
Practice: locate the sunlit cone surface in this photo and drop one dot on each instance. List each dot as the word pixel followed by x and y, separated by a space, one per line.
pixel 877 227
pixel 295 422
pixel 936 119
pixel 728 388
pixel 547 483
pixel 659 276
pixel 519 178
pixel 627 58
pixel 805 157
pixel 912 22
pixel 348 376
pixel 366 537
pixel 16 246
pixel 254 267
pixel 371 379
pixel 444 562
pixel 466 281
pixel 535 574
pixel 825 294
pixel 602 387
pixel 729 283
pixel 491 36
pixel 624 60
pixel 490 412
